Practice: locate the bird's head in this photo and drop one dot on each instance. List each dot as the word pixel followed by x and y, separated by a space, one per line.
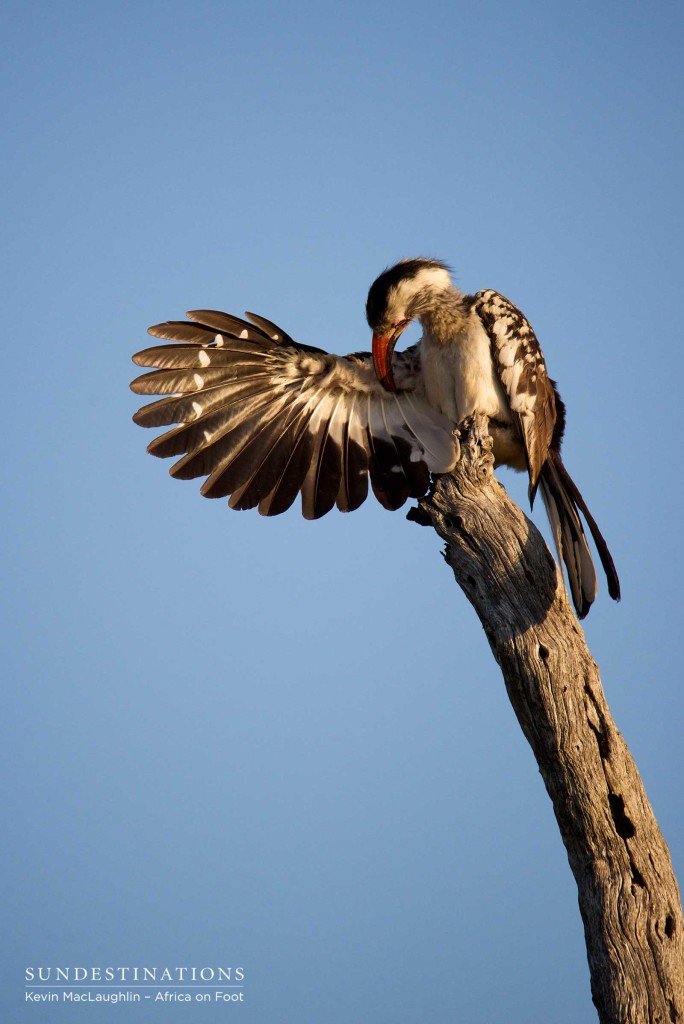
pixel 403 293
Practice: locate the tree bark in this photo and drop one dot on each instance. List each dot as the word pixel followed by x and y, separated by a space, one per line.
pixel 628 893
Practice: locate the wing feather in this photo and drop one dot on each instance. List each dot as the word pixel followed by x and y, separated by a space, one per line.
pixel 218 454
pixel 289 484
pixel 188 407
pixel 388 481
pixel 264 418
pixel 198 357
pixel 181 330
pixel 270 329
pixel 354 471
pixel 414 470
pixel 231 326
pixel 322 481
pixel 521 368
pixel 211 426
pixel 434 432
pixel 173 382
pixel 250 470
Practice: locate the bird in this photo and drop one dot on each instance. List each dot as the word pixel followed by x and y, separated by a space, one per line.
pixel 265 418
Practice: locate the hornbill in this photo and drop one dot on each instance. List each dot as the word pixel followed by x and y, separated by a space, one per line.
pixel 264 417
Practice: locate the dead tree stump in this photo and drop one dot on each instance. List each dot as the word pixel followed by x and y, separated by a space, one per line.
pixel 628 893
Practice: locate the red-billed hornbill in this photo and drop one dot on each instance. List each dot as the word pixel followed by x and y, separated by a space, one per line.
pixel 264 417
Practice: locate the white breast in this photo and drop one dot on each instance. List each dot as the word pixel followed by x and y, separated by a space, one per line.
pixel 460 378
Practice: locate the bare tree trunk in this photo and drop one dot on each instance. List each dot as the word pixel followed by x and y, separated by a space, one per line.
pixel 628 893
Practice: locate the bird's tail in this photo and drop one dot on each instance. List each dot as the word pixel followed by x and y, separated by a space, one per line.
pixel 563 504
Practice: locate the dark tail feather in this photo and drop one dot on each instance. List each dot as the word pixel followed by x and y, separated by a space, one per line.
pixel 563 501
pixel 601 546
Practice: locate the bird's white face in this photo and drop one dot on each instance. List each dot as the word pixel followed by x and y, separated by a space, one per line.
pixel 403 300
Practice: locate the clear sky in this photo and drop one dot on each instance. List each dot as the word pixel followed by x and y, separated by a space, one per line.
pixel 285 745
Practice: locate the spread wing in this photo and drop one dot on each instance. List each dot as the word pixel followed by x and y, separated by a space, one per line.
pixel 520 365
pixel 264 418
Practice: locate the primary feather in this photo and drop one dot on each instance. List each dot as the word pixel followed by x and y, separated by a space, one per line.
pixel 264 418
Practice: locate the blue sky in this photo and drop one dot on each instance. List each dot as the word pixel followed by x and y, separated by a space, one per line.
pixel 285 745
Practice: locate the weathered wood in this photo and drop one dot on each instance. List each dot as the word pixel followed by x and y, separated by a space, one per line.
pixel 628 893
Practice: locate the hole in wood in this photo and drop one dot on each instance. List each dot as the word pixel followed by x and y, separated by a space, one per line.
pixel 623 826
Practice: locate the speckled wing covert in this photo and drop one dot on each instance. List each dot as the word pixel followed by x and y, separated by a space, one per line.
pixel 521 368
pixel 265 418
pixel 540 415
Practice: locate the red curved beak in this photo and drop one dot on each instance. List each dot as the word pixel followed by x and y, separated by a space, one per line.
pixel 383 347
